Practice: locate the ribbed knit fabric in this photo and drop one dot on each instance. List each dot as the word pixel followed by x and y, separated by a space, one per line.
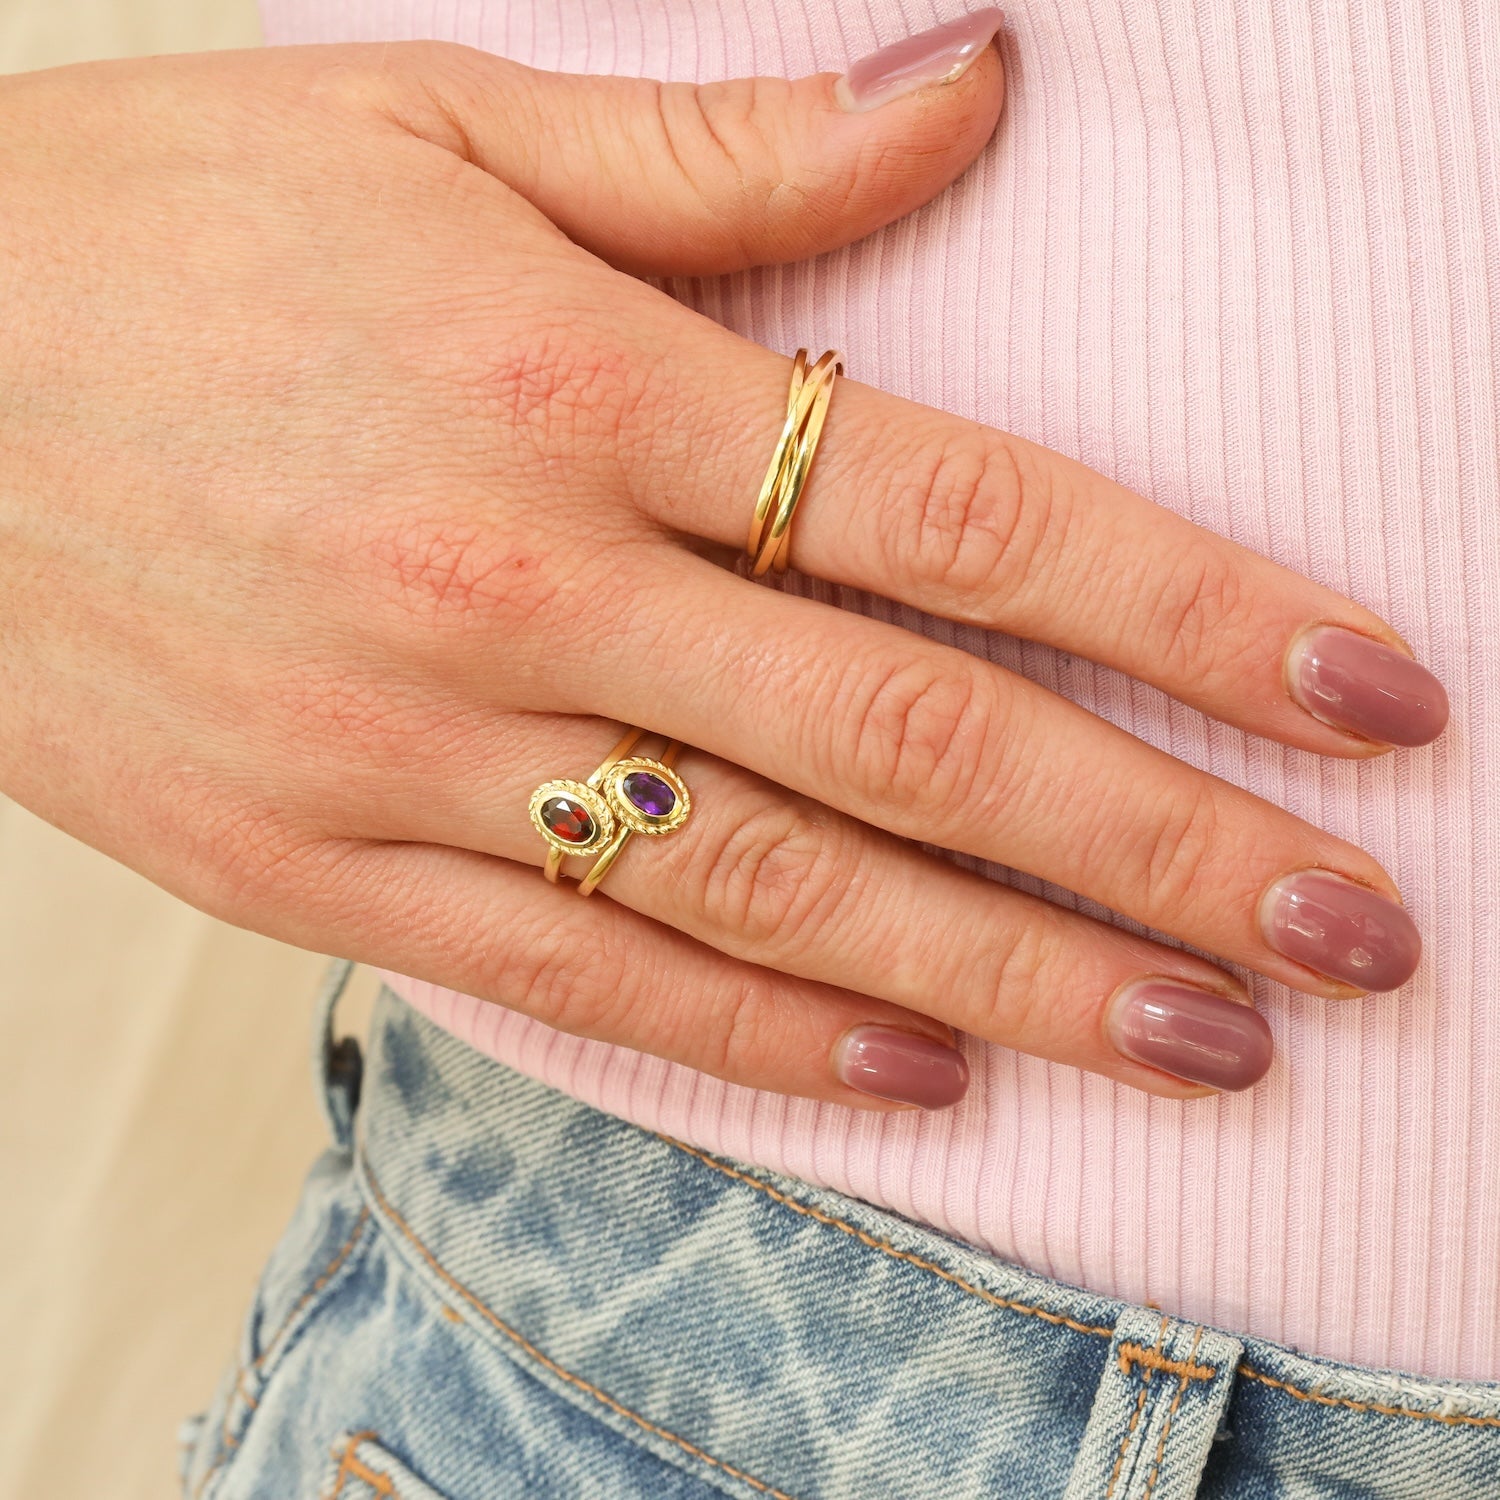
pixel 1246 259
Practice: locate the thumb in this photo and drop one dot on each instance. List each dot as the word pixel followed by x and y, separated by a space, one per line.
pixel 682 179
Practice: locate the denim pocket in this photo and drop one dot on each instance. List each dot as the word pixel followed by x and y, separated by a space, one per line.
pixel 360 1468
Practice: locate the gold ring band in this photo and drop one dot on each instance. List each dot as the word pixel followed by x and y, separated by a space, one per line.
pixel 769 540
pixel 626 794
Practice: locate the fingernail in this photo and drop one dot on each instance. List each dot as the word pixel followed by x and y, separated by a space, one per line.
pixel 902 1066
pixel 917 62
pixel 1192 1033
pixel 1355 683
pixel 1341 929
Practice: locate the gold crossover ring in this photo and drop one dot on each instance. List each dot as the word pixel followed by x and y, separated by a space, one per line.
pixel 806 408
pixel 627 794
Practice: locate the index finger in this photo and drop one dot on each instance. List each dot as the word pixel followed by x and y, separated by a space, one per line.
pixel 976 525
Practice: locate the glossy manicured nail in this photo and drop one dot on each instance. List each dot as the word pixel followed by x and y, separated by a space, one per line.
pixel 917 62
pixel 1195 1034
pixel 902 1066
pixel 1341 929
pixel 1354 683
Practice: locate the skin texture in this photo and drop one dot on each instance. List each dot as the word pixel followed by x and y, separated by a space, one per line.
pixel 352 485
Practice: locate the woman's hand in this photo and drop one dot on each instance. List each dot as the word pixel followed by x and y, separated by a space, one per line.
pixel 351 486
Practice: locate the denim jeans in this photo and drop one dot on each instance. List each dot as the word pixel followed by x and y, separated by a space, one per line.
pixel 491 1290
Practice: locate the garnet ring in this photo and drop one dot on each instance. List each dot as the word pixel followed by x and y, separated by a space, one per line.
pixel 627 794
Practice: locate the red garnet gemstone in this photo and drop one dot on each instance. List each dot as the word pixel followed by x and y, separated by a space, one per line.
pixel 568 819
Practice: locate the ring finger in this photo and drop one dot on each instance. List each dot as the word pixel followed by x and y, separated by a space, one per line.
pixel 767 875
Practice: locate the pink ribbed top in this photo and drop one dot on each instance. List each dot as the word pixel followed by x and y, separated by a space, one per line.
pixel 1244 258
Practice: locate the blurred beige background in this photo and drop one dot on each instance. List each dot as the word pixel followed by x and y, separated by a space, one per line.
pixel 156 1110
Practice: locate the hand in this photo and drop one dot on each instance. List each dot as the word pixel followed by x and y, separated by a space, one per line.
pixel 351 486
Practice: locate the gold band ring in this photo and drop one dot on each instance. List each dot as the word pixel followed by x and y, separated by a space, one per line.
pixel 627 794
pixel 806 409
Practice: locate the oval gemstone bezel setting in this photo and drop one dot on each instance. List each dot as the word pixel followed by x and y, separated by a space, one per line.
pixel 597 807
pixel 631 813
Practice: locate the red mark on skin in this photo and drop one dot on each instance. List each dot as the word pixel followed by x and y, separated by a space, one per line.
pixel 456 575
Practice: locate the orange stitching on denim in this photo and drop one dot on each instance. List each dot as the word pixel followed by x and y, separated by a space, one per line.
pixel 1051 1317
pixel 1454 1418
pixel 351 1466
pixel 329 1272
pixel 1135 1416
pixel 1138 1354
pixel 227 1440
pixel 886 1248
pixel 242 1391
pixel 577 1381
pixel 1161 1446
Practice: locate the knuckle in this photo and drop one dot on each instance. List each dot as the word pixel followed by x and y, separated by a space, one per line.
pixel 346 78
pixel 978 518
pixel 445 575
pixel 717 143
pixel 356 732
pixel 539 977
pixel 919 734
pixel 541 971
pixel 743 1040
pixel 554 381
pixel 399 79
pixel 247 858
pixel 557 382
pixel 1195 620
pixel 1174 852
pixel 1014 996
pixel 532 367
pixel 360 77
pixel 773 876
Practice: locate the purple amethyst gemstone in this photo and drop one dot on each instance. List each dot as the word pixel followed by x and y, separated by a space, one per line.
pixel 649 793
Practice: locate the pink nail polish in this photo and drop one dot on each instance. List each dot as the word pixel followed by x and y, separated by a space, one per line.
pixel 902 1066
pixel 1341 929
pixel 1190 1032
pixel 917 62
pixel 1362 685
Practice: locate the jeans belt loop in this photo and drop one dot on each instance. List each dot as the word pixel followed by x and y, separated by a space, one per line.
pixel 1159 1405
pixel 337 1065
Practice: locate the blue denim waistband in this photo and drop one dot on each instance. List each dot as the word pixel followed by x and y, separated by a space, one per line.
pixel 782 1340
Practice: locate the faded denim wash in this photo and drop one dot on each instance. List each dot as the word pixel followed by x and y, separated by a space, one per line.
pixel 490 1291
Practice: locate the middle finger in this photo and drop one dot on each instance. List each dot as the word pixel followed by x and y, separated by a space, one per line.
pixel 970 523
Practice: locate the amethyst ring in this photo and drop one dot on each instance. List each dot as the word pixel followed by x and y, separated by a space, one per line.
pixel 627 794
